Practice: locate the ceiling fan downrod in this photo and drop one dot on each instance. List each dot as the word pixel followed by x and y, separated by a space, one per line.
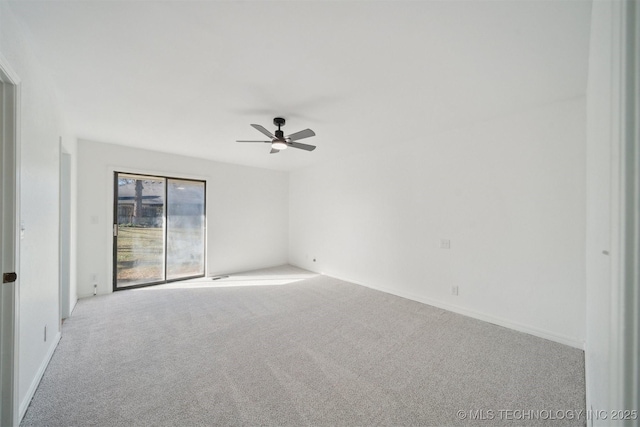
pixel 279 121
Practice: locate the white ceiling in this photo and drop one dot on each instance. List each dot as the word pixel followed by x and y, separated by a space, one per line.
pixel 189 77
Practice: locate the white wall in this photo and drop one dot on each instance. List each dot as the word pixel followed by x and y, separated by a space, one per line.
pixel 41 127
pixel 247 210
pixel 509 194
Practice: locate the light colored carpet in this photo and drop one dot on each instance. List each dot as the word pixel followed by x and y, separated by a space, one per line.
pixel 286 347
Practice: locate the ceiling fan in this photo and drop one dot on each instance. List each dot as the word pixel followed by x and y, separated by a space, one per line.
pixel 280 142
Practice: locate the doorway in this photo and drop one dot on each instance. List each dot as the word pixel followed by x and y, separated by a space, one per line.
pixel 159 230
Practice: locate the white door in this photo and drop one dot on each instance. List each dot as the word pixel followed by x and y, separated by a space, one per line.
pixel 9 95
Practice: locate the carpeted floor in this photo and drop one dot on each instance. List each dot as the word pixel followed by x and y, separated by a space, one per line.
pixel 286 347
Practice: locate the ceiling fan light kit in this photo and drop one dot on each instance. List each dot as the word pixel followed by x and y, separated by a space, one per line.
pixel 279 145
pixel 280 142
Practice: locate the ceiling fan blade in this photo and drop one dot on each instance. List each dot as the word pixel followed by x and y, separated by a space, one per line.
pixel 300 135
pixel 255 141
pixel 274 151
pixel 264 131
pixel 302 146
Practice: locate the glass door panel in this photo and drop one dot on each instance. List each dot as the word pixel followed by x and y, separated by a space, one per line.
pixel 185 228
pixel 140 213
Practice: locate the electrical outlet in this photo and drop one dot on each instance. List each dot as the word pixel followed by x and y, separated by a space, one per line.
pixel 445 244
pixel 45 333
pixel 454 290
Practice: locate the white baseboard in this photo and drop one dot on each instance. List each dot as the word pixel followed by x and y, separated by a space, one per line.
pixel 24 405
pixel 541 333
pixel 73 306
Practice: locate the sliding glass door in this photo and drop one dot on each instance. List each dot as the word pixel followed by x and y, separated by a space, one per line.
pixel 159 229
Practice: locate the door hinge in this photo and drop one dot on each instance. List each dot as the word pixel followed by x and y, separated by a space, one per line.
pixel 9 277
pixel 115 230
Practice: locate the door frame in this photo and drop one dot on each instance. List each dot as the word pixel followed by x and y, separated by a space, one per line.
pixel 9 241
pixel 65 234
pixel 628 322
